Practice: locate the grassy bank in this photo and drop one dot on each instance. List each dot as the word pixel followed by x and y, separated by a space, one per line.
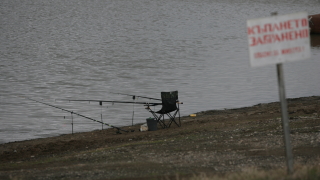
pixel 243 143
pixel 300 173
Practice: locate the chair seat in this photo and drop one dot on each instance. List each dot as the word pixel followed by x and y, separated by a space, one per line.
pixel 164 111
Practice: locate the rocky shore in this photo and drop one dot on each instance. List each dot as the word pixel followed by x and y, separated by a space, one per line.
pixel 215 142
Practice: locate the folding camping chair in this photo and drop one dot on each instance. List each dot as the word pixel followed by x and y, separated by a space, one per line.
pixel 170 104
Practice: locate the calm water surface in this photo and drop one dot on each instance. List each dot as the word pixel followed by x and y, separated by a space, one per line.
pixel 86 49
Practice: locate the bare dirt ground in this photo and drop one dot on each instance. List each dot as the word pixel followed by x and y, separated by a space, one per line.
pixel 213 142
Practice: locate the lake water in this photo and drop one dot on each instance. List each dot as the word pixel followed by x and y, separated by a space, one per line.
pixel 82 49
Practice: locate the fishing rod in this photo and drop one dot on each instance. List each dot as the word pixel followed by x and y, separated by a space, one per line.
pixel 126 102
pixel 133 96
pixel 100 101
pixel 119 129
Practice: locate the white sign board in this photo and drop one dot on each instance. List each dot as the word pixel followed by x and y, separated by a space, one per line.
pixel 278 39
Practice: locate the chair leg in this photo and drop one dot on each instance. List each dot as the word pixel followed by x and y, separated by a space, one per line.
pixel 179 116
pixel 179 125
pixel 161 122
pixel 172 119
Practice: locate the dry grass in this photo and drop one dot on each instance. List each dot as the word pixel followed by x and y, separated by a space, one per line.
pixel 300 173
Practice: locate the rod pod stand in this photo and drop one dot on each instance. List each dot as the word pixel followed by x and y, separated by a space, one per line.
pixel 101 115
pixel 72 121
pixel 119 129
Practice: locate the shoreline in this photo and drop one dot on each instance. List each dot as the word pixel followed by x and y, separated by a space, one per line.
pixel 213 142
pixel 139 124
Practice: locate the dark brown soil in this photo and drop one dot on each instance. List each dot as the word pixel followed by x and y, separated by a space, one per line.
pixel 213 142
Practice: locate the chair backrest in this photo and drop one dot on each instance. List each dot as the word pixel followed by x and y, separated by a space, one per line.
pixel 169 101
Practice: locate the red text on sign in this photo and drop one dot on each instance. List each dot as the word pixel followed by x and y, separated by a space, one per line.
pixel 286 51
pixel 279 37
pixel 292 50
pixel 266 54
pixel 280 26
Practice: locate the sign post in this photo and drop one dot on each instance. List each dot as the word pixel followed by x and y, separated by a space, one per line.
pixel 275 40
pixel 285 119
